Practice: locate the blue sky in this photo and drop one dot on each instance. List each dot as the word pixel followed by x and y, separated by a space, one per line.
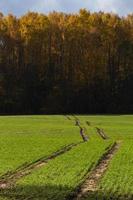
pixel 19 7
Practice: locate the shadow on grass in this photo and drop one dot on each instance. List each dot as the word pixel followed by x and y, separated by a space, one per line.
pixel 53 193
pixel 107 196
pixel 35 192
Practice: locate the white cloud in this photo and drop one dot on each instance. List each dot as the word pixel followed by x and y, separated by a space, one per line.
pixel 121 7
pixel 46 5
pixel 106 5
pixel 19 7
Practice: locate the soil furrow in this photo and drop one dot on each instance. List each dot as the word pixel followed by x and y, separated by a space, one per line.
pixel 91 183
pixel 67 117
pixel 8 180
pixel 101 133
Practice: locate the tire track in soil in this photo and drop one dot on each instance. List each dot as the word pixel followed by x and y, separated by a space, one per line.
pixel 101 133
pixel 90 185
pixel 9 179
pixel 67 117
pixel 82 130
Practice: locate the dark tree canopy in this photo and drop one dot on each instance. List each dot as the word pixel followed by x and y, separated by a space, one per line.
pixel 66 63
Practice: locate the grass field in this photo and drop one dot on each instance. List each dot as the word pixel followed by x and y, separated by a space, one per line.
pixel 25 139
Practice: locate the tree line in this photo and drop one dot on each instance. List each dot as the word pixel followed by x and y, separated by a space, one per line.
pixel 66 63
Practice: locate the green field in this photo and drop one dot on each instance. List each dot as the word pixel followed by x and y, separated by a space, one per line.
pixel 26 139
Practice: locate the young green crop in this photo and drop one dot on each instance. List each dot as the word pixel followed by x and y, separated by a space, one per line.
pixel 117 183
pixel 60 176
pixel 24 139
pixel 119 178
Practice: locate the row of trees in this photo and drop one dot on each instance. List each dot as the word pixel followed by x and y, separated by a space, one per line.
pixel 60 63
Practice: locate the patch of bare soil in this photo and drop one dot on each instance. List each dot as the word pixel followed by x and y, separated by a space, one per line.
pixel 91 183
pixel 8 180
pixel 68 117
pixel 102 133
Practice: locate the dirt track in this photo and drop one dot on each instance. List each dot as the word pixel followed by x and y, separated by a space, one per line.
pixel 8 180
pixel 91 183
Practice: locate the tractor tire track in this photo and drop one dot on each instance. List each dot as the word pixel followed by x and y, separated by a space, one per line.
pixel 9 180
pixel 67 117
pixel 101 133
pixel 90 185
